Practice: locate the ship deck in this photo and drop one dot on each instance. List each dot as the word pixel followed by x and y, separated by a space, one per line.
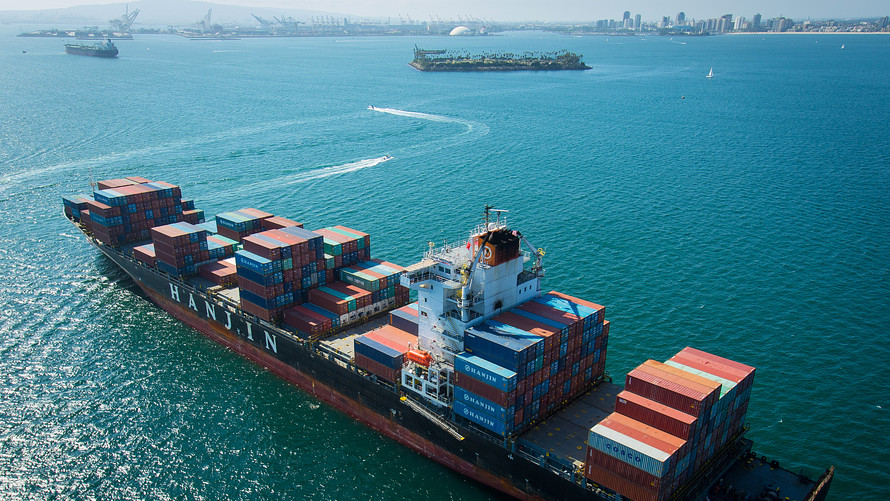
pixel 749 477
pixel 343 341
pixel 564 434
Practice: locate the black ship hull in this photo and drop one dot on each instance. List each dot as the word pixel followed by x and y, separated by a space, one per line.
pixel 86 50
pixel 466 451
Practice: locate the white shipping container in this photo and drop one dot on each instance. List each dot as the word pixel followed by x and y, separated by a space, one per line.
pixel 634 452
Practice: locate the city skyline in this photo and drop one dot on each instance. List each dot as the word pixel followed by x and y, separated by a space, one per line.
pixel 503 10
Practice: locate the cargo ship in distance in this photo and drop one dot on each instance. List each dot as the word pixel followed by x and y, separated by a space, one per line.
pixel 98 49
pixel 483 372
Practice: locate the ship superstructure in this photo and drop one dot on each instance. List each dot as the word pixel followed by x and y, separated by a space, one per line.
pixel 462 285
pixel 484 372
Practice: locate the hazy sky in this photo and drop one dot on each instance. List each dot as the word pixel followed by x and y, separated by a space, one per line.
pixel 553 10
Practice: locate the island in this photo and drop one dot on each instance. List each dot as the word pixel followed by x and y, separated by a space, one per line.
pixel 443 60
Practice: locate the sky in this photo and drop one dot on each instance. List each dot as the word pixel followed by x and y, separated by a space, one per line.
pixel 552 10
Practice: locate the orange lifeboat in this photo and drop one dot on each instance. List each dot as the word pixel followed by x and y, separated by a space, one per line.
pixel 420 357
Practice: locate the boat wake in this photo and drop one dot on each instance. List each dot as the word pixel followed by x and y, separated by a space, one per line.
pixel 320 173
pixel 109 163
pixel 474 130
pixel 415 114
pixel 336 170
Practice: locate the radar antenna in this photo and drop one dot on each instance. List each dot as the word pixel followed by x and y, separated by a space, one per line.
pixel 488 210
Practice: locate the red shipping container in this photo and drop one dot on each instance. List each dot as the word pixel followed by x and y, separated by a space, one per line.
pixel 621 485
pixel 145 253
pixel 391 375
pixel 662 417
pixel 626 470
pixel 108 184
pixel 328 302
pixel 263 248
pixel 221 272
pixel 549 313
pixel 361 296
pixel 701 383
pixel 410 309
pixel 742 382
pixel 741 369
pixel 277 222
pixel 298 318
pixel 405 339
pixel 666 389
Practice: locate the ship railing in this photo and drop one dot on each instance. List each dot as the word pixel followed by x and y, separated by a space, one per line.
pixel 333 353
pixel 191 288
pixel 555 464
pixel 734 447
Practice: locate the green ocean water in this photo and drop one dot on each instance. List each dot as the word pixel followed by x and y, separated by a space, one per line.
pixel 746 215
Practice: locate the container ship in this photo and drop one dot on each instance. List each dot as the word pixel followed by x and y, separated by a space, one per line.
pixel 99 49
pixel 461 356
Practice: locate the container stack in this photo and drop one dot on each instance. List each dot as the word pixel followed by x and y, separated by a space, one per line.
pixel 736 380
pixel 145 254
pixel 276 268
pixel 110 184
pixel 240 223
pixel 405 318
pixel 554 346
pixel 378 277
pixel 340 298
pixel 223 272
pixel 220 247
pixel 344 246
pixel 180 248
pixel 670 419
pixel 74 205
pixel 277 222
pixel 122 211
pixel 382 351
pixel 190 214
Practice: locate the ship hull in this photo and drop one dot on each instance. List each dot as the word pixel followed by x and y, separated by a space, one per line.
pixel 86 50
pixel 372 404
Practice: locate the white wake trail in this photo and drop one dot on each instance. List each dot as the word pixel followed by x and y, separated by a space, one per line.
pixel 474 130
pixel 417 114
pixel 335 170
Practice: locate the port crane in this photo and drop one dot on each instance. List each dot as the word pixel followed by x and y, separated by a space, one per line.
pixel 123 23
pixel 266 25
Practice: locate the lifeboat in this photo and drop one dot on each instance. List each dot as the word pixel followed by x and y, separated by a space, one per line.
pixel 420 357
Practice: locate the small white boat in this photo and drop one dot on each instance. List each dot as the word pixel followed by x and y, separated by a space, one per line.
pixel 843 46
pixel 710 74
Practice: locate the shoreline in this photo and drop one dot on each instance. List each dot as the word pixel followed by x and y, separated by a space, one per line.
pixel 807 33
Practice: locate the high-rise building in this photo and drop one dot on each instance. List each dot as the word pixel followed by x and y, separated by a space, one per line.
pixel 638 21
pixel 681 18
pixel 626 16
pixel 757 22
pixel 740 23
pixel 726 24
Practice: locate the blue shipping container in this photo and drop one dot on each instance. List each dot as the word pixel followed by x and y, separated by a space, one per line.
pixel 485 371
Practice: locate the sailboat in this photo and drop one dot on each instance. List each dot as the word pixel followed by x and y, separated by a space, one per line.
pixel 710 73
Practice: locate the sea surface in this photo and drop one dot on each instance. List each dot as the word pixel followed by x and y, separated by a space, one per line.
pixel 747 215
